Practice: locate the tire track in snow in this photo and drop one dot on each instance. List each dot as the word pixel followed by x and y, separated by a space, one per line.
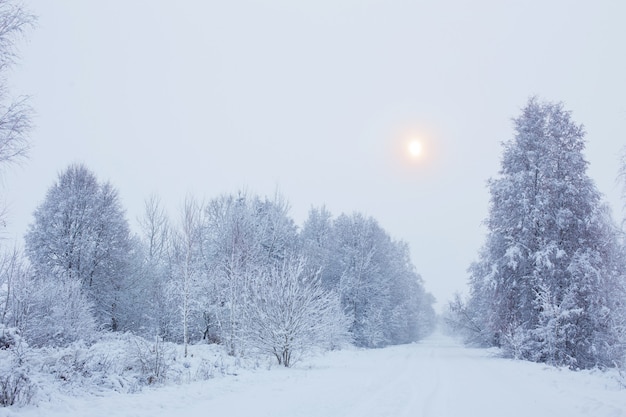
pixel 433 403
pixel 379 398
pixel 408 386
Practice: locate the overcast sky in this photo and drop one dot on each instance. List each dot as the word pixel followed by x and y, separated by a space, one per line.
pixel 316 99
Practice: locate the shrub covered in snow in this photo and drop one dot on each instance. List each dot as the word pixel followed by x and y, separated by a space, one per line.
pixel 119 362
pixel 16 387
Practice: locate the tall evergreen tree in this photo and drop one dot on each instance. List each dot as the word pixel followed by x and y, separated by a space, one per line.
pixel 539 286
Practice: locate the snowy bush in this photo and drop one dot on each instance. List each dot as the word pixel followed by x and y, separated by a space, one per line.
pixel 16 387
pixel 9 337
pixel 57 312
pixel 154 359
pixel 514 342
pixel 122 362
pixel 206 370
pixel 117 362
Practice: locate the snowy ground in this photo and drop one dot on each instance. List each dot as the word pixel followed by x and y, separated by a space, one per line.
pixel 437 377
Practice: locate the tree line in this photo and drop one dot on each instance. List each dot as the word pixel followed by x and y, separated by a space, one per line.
pixel 234 270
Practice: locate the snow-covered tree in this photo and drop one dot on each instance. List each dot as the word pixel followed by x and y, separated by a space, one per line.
pixel 542 275
pixel 363 284
pixel 317 242
pixel 155 237
pixel 289 312
pixel 187 258
pixel 410 313
pixel 618 321
pixel 243 235
pixel 80 233
pixel 232 252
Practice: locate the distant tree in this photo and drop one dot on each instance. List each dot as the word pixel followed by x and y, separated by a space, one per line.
pixel 317 242
pixel 187 259
pixel 232 252
pixel 461 320
pixel 276 230
pixel 363 284
pixel 411 315
pixel 155 236
pixel 155 229
pixel 541 283
pixel 381 293
pixel 80 233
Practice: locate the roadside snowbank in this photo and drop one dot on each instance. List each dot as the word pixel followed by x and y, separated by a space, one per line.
pixel 436 377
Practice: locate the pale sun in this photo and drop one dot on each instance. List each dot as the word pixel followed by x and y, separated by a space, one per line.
pixel 415 148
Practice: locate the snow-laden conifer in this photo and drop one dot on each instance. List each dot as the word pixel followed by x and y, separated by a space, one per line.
pixel 542 283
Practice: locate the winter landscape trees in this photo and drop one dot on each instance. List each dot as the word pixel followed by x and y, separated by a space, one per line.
pixel 548 284
pixel 234 271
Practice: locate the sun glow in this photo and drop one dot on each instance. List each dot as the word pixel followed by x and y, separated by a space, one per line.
pixel 415 148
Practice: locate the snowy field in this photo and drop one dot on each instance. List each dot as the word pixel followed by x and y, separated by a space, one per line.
pixel 437 377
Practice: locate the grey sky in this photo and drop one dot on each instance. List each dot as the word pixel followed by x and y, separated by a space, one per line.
pixel 314 98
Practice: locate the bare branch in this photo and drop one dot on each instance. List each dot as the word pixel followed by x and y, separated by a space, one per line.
pixel 14 22
pixel 15 124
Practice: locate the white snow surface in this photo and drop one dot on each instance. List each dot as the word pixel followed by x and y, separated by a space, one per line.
pixel 436 377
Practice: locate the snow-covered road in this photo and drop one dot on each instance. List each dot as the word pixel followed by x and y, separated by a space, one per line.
pixel 437 377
